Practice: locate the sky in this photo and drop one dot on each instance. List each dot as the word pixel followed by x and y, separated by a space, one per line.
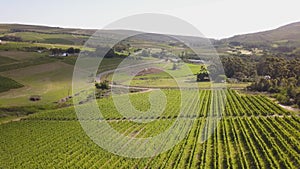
pixel 213 18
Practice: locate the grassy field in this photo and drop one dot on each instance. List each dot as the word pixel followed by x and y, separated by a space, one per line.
pixel 48 77
pixel 19 46
pixel 52 81
pixel 52 38
pixel 185 76
pixel 6 60
pixel 39 75
pixel 253 133
pixel 7 84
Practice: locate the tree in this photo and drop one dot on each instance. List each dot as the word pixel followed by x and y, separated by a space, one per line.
pixel 174 66
pixel 102 85
pixel 203 74
pixel 56 51
pixel 105 52
pixel 145 53
pixel 235 67
pixel 77 50
pixel 70 50
pixel 121 47
pixel 297 99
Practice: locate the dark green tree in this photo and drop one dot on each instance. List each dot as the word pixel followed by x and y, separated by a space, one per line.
pixel 102 85
pixel 203 74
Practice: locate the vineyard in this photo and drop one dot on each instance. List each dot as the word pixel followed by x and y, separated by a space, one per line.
pixel 251 132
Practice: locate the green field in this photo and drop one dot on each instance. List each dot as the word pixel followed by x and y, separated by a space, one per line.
pixel 50 78
pixel 6 60
pixel 7 84
pixel 20 46
pixel 52 38
pixel 252 133
pixel 185 76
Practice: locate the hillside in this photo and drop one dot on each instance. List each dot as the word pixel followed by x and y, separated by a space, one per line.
pixel 75 36
pixel 289 32
pixel 5 28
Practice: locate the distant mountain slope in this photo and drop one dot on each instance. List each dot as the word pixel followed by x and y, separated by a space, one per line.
pixel 287 37
pixel 289 33
pixel 5 28
pixel 71 36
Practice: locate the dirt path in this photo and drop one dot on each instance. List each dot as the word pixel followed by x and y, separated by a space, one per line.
pixel 143 89
pixel 289 108
pixel 13 120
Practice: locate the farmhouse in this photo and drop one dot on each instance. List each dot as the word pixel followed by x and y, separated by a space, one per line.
pixel 64 54
pixel 175 60
pixel 267 77
pixel 196 61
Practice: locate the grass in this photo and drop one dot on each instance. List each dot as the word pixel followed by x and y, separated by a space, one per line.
pixel 19 46
pixel 48 77
pixel 52 38
pixel 6 60
pixel 21 55
pixel 183 77
pixel 27 63
pixel 6 84
pixel 52 81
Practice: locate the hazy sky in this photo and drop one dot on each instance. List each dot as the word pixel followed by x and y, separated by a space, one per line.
pixel 214 18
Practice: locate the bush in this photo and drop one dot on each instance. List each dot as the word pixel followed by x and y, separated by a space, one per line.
pixel 102 85
pixel 283 99
pixel 274 90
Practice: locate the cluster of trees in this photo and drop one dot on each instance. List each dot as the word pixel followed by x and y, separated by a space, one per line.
pixel 11 38
pixel 120 47
pixel 283 79
pixel 236 67
pixel 277 75
pixel 244 69
pixel 287 91
pixel 71 50
pixel 102 85
pixel 102 89
pixel 34 49
pixel 279 67
pixel 106 52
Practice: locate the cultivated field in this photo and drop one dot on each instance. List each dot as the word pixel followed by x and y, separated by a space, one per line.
pixel 253 132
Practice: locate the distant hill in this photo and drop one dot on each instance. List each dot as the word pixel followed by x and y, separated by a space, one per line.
pixel 285 39
pixel 75 36
pixel 285 34
pixel 6 28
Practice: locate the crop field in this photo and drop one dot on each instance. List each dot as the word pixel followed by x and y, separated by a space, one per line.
pixel 252 132
pixel 19 46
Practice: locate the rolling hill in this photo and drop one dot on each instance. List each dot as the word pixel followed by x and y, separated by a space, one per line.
pixel 288 35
